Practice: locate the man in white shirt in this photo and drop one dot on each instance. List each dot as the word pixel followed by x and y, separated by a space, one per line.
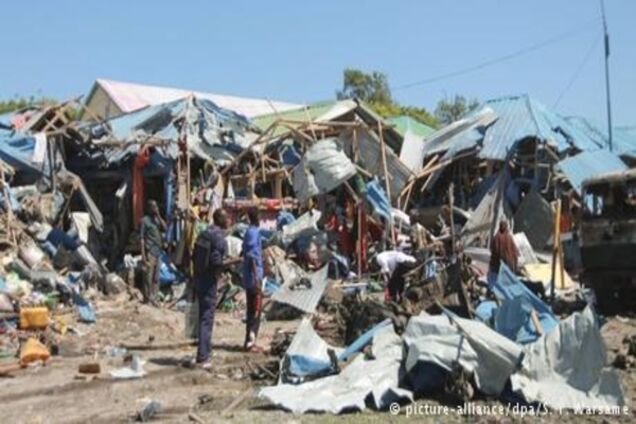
pixel 393 265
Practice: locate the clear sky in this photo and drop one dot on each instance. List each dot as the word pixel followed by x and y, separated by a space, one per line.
pixel 296 50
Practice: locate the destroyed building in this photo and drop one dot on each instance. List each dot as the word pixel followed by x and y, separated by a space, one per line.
pixel 338 186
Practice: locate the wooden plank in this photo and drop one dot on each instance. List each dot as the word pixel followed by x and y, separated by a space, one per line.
pixel 536 322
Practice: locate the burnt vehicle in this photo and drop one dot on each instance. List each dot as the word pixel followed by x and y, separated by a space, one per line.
pixel 608 239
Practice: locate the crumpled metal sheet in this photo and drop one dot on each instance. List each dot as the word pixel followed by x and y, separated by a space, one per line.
pixel 323 168
pixel 374 379
pixel 209 131
pixel 436 339
pixel 535 218
pixel 370 152
pixel 478 228
pixel 305 299
pixel 567 367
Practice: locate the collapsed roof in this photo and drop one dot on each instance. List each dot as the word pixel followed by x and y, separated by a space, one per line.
pixel 209 132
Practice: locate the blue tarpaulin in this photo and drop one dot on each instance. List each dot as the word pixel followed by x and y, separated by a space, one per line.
pixel 378 199
pixel 513 317
pixel 17 151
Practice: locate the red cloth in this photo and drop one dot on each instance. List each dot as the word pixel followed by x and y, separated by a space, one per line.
pixel 142 159
pixel 363 243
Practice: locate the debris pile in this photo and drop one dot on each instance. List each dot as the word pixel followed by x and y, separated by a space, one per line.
pixel 414 266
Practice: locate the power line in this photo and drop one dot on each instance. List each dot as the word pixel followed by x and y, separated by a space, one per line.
pixel 576 73
pixel 500 59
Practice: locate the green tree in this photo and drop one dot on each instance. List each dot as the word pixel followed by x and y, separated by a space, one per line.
pixel 450 110
pixel 373 88
pixel 20 102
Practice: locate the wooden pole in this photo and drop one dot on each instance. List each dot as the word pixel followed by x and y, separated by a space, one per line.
pixel 359 243
pixel 451 201
pixel 386 181
pixel 555 247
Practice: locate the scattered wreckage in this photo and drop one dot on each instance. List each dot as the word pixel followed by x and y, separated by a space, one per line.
pixel 337 186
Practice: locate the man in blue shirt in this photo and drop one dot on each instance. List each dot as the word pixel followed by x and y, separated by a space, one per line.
pixel 209 251
pixel 252 277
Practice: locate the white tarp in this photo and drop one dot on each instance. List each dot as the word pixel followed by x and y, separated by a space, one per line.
pixel 323 168
pixel 478 349
pixel 306 224
pixel 566 369
pixel 349 390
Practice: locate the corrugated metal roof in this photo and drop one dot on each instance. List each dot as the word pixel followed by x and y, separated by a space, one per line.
pixel 404 124
pixel 518 117
pixel 130 97
pixel 314 111
pixel 209 130
pixel 589 164
pixel 521 117
pixel 624 141
pixel 304 299
pixel 413 133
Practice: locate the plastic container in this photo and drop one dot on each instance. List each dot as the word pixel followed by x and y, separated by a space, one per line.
pixel 32 351
pixel 34 318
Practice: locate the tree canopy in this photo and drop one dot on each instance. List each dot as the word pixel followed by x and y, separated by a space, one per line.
pixel 373 88
pixel 450 110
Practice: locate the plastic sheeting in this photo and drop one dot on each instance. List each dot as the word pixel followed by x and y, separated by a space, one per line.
pixel 566 369
pixel 323 168
pixel 376 380
pixel 305 225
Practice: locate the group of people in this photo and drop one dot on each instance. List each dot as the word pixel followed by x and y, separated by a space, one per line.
pixel 209 259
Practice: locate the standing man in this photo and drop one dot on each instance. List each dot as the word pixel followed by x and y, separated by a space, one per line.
pixel 209 251
pixel 502 248
pixel 152 226
pixel 252 278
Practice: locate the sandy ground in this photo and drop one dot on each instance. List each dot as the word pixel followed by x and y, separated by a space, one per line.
pixel 53 394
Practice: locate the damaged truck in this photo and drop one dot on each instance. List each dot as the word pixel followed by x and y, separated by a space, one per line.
pixel 608 239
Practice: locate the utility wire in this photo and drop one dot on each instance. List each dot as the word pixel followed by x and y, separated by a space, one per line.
pixel 503 58
pixel 576 73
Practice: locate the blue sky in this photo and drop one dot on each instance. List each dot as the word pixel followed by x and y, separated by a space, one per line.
pixel 296 50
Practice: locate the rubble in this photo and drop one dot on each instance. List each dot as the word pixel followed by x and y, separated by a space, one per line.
pixel 341 194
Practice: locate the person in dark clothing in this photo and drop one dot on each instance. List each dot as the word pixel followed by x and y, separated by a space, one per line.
pixel 152 226
pixel 252 278
pixel 502 248
pixel 209 251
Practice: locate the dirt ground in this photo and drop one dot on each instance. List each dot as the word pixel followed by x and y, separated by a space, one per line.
pixel 54 394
